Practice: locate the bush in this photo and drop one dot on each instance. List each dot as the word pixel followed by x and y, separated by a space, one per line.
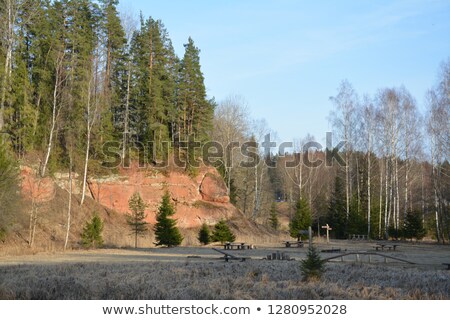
pixel 92 233
pixel 204 235
pixel 222 233
pixel 313 266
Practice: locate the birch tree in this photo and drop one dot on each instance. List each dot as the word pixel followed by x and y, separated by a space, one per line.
pixel 343 119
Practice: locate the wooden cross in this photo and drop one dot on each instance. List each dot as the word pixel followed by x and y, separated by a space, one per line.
pixel 328 230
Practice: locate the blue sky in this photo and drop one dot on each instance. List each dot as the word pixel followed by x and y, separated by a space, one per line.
pixel 286 57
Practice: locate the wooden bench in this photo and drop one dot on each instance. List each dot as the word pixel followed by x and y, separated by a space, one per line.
pixel 228 256
pixel 448 265
pixel 289 244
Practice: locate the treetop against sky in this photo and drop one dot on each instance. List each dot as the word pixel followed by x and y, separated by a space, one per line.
pixel 288 57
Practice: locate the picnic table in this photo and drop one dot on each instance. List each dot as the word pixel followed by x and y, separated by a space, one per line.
pixel 289 244
pixel 358 237
pixel 236 246
pixel 387 246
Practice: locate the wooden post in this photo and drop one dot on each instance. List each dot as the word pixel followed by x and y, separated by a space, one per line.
pixel 328 228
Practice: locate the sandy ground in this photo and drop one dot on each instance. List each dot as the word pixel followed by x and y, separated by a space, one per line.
pixel 423 255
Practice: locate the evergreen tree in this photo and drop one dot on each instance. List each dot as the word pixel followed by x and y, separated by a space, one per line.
pixel 273 219
pixel 222 232
pixel 357 224
pixel 413 227
pixel 204 235
pixel 136 219
pixel 301 219
pixel 195 112
pixel 9 187
pixel 336 216
pixel 313 266
pixel 92 233
pixel 166 231
pixel 154 86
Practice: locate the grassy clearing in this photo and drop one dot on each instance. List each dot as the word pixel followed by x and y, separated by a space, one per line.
pixel 213 279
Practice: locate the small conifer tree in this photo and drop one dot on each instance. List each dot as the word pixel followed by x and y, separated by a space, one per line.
pixel 92 233
pixel 204 235
pixel 273 219
pixel 413 227
pixel 136 219
pixel 222 232
pixel 166 231
pixel 301 219
pixel 313 266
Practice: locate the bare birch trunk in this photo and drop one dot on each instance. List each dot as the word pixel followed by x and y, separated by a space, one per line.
pixel 69 209
pixel 90 124
pixel 55 112
pixel 397 196
pixel 8 60
pixel 387 199
pixel 368 192
pixel 381 204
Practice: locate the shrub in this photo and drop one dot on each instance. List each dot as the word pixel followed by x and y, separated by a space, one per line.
pixel 204 235
pixel 222 232
pixel 313 266
pixel 92 233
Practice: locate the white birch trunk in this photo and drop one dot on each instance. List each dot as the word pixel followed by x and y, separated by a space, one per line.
pixel 69 209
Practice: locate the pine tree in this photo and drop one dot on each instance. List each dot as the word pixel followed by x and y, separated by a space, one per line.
pixel 301 219
pixel 273 219
pixel 204 235
pixel 136 219
pixel 92 233
pixel 9 187
pixel 413 227
pixel 336 216
pixel 166 231
pixel 313 266
pixel 222 232
pixel 195 111
pixel 154 86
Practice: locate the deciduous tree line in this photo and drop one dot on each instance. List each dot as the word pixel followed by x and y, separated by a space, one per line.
pixel 397 164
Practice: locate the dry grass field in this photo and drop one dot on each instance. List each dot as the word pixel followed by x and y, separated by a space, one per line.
pixel 200 273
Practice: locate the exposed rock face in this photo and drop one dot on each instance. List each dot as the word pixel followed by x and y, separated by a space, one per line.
pixel 35 188
pixel 196 200
pixel 213 189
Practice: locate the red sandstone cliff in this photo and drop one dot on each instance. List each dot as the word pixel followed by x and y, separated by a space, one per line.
pixel 196 200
